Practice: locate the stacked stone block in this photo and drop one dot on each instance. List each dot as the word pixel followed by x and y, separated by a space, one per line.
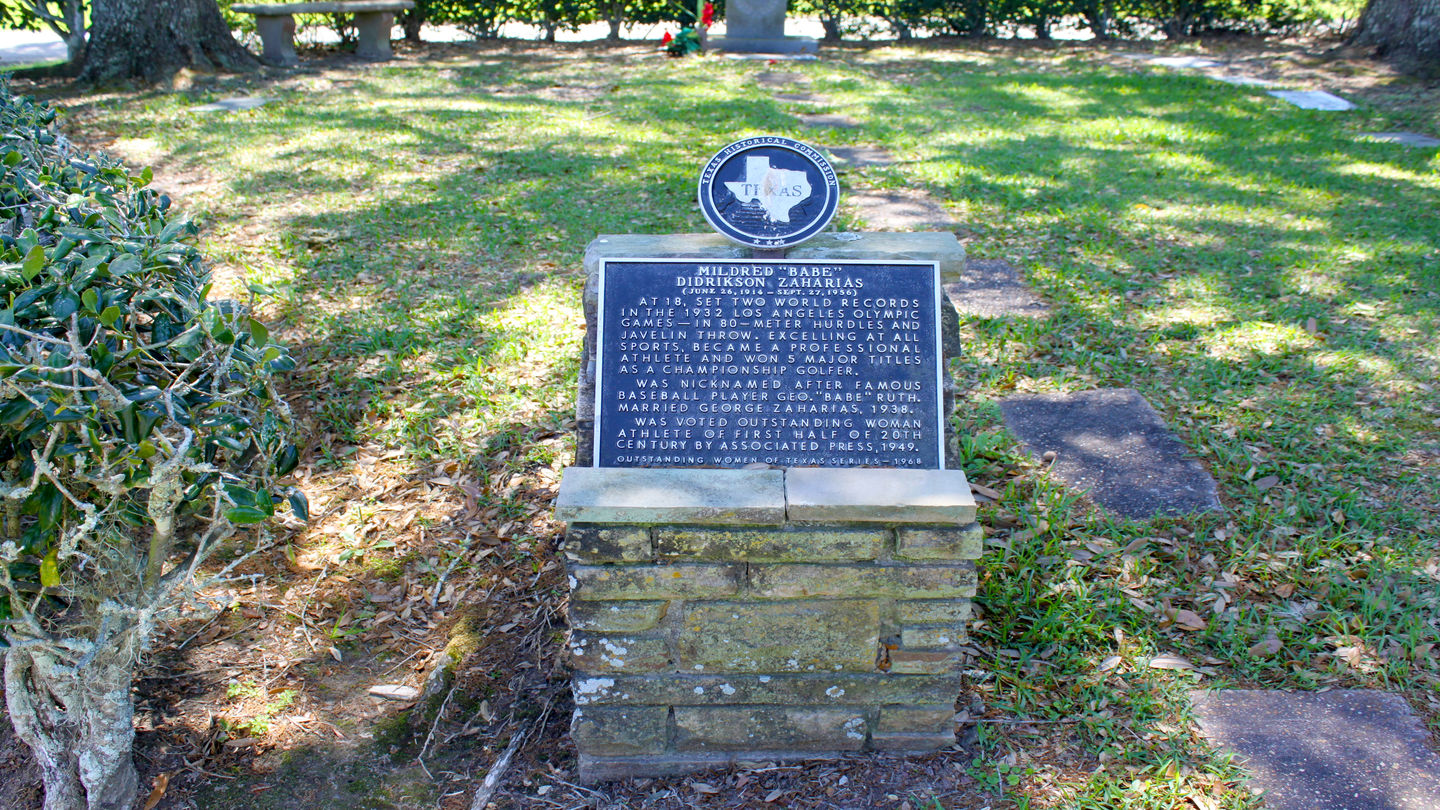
pixel 723 615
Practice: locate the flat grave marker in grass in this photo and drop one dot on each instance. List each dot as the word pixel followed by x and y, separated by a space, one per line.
pixel 1313 100
pixel 780 78
pixel 992 288
pixel 1413 139
pixel 1113 444
pixel 901 210
pixel 829 121
pixel 233 104
pixel 859 157
pixel 1342 750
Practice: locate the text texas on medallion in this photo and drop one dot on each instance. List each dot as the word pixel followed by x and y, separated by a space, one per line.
pixel 769 192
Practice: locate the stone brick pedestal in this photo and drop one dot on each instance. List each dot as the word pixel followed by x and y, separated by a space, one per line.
pixel 723 615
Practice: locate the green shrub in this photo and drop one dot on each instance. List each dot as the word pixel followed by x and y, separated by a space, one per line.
pixel 139 427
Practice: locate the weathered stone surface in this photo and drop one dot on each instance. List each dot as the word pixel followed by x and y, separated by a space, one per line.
pixel 916 719
pixel 619 653
pixel 621 731
pixel 1313 100
pixel 1112 443
pixel 933 611
pixel 600 544
pixel 764 544
pixel 1414 139
pixel 678 581
pixel 912 581
pixel 872 495
pixel 808 636
pixel 912 743
pixel 932 638
pixel 993 288
pixel 858 157
pixel 939 543
pixel 831 689
pixel 799 98
pixel 925 662
pixel 759 727
pixel 1340 750
pixel 232 104
pixel 600 769
pixel 628 495
pixel 900 210
pixel 829 120
pixel 780 78
pixel 616 617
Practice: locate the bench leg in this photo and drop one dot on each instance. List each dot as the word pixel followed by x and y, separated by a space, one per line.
pixel 277 39
pixel 372 29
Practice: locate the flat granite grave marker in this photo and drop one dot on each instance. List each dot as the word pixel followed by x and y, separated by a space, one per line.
pixel 1112 443
pixel 1414 139
pixel 1354 749
pixel 1313 100
pixel 992 288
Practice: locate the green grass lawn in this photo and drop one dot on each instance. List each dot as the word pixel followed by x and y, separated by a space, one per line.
pixel 1266 278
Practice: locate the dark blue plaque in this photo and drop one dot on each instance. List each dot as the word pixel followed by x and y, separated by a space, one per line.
pixel 725 362
pixel 769 192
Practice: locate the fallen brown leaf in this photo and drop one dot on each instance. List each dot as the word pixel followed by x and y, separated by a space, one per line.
pixel 158 791
pixel 1266 647
pixel 1170 662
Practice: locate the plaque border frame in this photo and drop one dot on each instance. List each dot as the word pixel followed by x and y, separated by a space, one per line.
pixel 934 266
pixel 732 232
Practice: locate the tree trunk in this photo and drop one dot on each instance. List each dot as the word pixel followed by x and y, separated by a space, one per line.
pixel 1406 32
pixel 78 722
pixel 411 22
pixel 151 39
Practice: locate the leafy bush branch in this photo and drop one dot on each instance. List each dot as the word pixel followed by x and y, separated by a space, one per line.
pixel 139 430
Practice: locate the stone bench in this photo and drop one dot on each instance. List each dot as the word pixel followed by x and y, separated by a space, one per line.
pixel 276 26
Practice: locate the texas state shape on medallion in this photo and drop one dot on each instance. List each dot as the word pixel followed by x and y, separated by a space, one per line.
pixel 777 190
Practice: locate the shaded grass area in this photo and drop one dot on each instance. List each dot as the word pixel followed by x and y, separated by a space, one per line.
pixel 1266 278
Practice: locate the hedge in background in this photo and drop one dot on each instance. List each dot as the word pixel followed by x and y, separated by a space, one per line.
pixel 139 428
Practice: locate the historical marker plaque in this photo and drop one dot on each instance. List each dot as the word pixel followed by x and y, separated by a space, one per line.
pixel 723 363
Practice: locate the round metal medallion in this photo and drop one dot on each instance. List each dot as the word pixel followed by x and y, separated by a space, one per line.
pixel 769 192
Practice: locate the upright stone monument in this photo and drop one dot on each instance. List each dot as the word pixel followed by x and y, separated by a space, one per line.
pixel 758 26
pixel 771 553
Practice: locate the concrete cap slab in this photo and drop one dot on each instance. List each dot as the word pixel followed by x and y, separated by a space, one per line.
pixel 1313 100
pixel 1357 749
pixel 1403 138
pixel 629 495
pixel 992 288
pixel 1112 443
pixel 878 495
